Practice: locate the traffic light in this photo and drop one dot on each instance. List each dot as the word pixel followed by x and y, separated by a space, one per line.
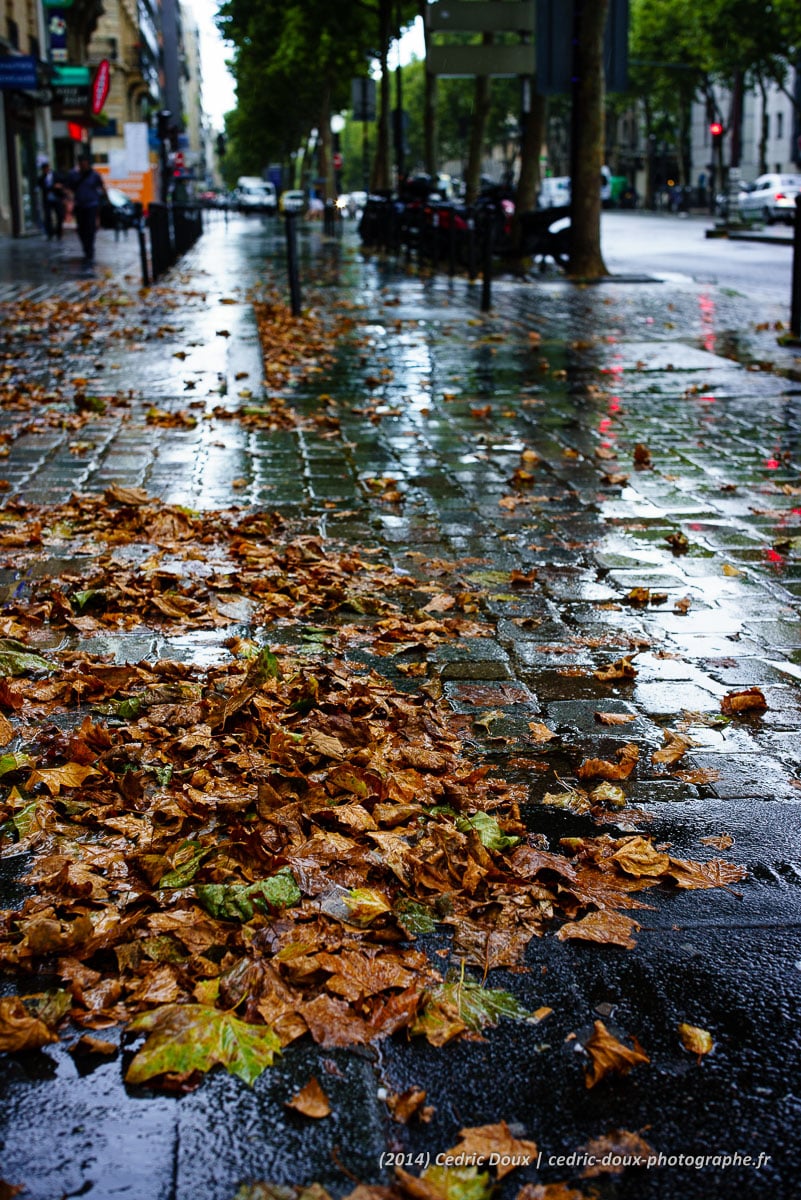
pixel 716 129
pixel 221 145
pixel 163 124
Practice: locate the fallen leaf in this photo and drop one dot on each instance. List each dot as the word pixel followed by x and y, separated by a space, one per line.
pixel 601 768
pixel 609 1056
pixel 721 842
pixel 697 1041
pixel 731 571
pixel 411 1103
pixel 19 1030
pixel 494 1144
pixel 184 1038
pixel 613 1152
pixel 445 1183
pixel 610 718
pixel 540 732
pixel 748 700
pixel 310 1101
pixel 622 668
pixel 642 457
pixel 675 747
pixel 604 927
pixel 71 775
pixel 637 857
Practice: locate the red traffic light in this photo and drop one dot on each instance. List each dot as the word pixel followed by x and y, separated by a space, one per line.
pixel 716 129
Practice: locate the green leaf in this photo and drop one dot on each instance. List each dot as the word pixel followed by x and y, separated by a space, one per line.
pixel 163 773
pixel 13 762
pixel 459 1183
pixel 415 918
pixel 264 666
pixel 462 1004
pixel 17 659
pixel 81 600
pixel 488 830
pixel 185 1038
pixel 50 1007
pixel 183 874
pixel 239 901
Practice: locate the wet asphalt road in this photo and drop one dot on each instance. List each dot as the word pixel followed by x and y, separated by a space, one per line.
pixel 679 366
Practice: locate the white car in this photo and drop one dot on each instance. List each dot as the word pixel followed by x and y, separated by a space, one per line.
pixel 770 198
pixel 293 201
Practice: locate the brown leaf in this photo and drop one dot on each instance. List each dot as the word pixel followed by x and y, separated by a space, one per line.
pixel 623 668
pixel 675 747
pixel 638 857
pixel 71 775
pixel 642 457
pixel 604 927
pixel 722 842
pixel 332 1022
pixel 715 873
pixel 700 775
pixel 610 718
pixel 615 1145
pixel 131 496
pixel 697 1041
pixel 747 700
pixel 310 1101
pixel 540 732
pixel 484 1141
pixel 601 768
pixel 609 1056
pixel 408 1104
pixel 6 730
pixel 19 1030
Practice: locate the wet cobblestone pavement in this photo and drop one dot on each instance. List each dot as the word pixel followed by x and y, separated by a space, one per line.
pixel 617 470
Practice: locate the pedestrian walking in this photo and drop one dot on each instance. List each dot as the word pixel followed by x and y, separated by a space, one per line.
pixel 88 190
pixel 53 200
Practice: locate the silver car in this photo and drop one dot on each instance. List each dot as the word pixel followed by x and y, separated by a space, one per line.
pixel 770 198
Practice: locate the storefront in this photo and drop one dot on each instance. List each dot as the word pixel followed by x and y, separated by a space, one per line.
pixel 21 98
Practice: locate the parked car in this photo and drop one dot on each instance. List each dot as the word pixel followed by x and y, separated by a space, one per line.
pixel 118 211
pixel 255 195
pixel 770 198
pixel 293 200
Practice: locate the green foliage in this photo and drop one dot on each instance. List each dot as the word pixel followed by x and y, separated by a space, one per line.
pixel 17 659
pixel 239 901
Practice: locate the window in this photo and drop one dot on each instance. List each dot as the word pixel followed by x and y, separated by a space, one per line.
pixel 13 33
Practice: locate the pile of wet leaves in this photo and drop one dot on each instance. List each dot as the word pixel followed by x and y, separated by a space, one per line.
pixel 230 857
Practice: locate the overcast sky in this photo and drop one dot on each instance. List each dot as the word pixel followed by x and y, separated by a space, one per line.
pixel 218 86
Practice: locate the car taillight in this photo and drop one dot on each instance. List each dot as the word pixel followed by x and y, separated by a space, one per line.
pixel 780 196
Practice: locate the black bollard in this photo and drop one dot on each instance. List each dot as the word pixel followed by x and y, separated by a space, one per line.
pixel 140 229
pixel 292 262
pixel 471 246
pixel 452 240
pixel 795 299
pixel 486 267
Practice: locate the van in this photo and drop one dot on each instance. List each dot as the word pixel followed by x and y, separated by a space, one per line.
pixel 554 192
pixel 256 195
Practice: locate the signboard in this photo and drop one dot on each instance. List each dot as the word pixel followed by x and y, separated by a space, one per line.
pixel 363 99
pixel 139 185
pixel 18 73
pixel 100 86
pixel 481 16
pixel 454 61
pixel 57 33
pixel 137 147
pixel 554 46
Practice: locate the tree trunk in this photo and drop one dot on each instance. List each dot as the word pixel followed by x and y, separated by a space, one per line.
pixel 381 170
pixel 430 129
pixel 650 142
pixel 533 129
pixel 478 125
pixel 587 150
pixel 764 127
pixel 325 158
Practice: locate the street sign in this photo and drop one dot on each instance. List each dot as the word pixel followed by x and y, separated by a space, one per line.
pixel 363 99
pixel 481 16
pixel 554 46
pixel 454 61
pixel 178 159
pixel 18 73
pixel 337 160
pixel 100 86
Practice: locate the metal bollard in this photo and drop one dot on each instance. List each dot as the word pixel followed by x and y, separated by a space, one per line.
pixel 292 262
pixel 795 298
pixel 486 268
pixel 140 231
